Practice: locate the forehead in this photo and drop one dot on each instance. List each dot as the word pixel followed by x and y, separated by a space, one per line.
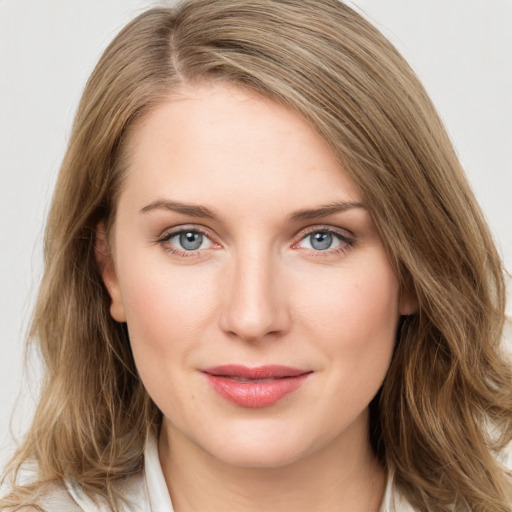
pixel 216 141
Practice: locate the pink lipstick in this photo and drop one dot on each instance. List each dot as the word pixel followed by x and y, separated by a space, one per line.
pixel 262 386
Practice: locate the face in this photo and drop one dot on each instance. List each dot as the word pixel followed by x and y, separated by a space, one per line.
pixel 261 307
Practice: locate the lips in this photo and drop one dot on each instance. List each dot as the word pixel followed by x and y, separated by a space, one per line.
pixel 258 387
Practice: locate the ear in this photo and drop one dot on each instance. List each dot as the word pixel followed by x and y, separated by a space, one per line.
pixel 108 273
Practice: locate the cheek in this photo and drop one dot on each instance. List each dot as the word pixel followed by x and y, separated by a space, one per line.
pixel 167 312
pixel 166 309
pixel 353 323
pixel 355 311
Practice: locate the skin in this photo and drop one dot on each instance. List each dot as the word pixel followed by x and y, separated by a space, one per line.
pixel 256 292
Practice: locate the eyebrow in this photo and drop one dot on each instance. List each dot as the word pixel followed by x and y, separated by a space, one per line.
pixel 185 209
pixel 205 213
pixel 323 211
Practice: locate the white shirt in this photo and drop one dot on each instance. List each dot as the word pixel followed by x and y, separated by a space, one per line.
pixel 147 492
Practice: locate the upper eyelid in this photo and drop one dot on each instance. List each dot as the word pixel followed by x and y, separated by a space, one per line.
pixel 170 232
pixel 344 233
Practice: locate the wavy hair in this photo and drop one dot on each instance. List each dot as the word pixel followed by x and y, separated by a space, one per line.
pixel 445 408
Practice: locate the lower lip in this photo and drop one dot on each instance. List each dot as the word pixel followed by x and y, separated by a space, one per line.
pixel 255 394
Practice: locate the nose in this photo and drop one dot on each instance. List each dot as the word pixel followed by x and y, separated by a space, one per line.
pixel 255 306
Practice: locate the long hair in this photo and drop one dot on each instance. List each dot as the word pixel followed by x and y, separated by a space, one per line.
pixel 445 408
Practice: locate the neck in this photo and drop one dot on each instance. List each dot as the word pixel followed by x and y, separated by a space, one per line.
pixel 341 476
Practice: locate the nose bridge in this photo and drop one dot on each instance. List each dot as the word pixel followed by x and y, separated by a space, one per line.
pixel 254 306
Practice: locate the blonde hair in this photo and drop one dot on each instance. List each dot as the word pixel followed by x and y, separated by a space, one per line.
pixel 445 408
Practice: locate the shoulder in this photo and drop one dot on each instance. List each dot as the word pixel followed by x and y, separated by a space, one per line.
pixel 68 496
pixel 23 508
pixel 393 500
pixel 50 498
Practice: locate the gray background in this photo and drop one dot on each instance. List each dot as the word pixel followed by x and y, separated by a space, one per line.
pixel 461 50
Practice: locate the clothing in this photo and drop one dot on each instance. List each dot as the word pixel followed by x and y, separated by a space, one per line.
pixel 147 492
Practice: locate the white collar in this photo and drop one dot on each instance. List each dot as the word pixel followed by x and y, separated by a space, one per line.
pixel 158 493
pixel 160 501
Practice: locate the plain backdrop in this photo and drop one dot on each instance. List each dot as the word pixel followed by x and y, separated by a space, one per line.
pixel 461 50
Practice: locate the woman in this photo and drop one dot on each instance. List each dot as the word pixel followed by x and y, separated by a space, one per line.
pixel 268 285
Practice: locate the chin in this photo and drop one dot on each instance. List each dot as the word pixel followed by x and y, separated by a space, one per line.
pixel 267 457
pixel 263 447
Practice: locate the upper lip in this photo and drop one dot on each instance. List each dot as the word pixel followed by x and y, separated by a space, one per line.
pixel 255 373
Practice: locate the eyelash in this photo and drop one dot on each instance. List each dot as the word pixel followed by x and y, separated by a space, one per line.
pixel 346 242
pixel 184 254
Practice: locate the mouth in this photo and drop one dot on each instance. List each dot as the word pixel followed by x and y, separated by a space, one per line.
pixel 258 387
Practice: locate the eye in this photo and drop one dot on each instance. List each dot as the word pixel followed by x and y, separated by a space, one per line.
pixel 186 240
pixel 324 239
pixel 320 241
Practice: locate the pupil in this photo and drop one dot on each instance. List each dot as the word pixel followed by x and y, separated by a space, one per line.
pixel 191 241
pixel 321 241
